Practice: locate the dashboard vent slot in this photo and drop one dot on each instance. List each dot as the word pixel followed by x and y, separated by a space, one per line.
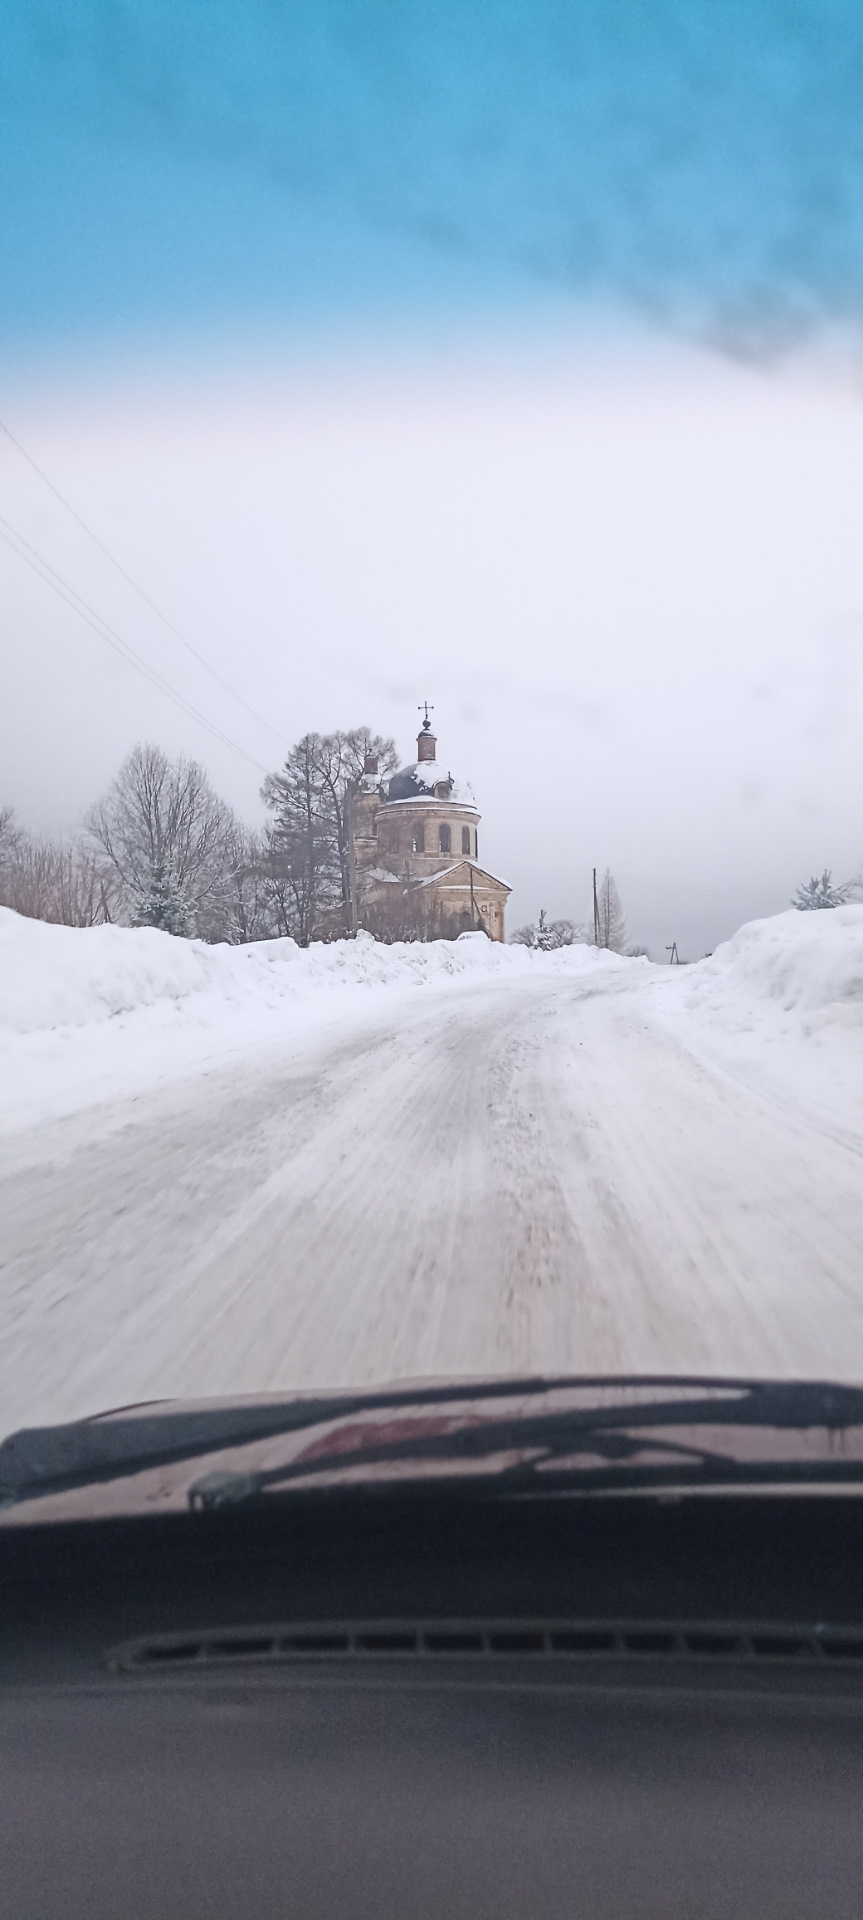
pixel 685 1642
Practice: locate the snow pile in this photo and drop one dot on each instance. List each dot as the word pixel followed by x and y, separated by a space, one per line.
pixel 100 1014
pixel 806 967
pixel 66 977
pixel 781 1006
pixel 53 977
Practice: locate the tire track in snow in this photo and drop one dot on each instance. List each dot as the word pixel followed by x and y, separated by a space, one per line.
pixel 525 1174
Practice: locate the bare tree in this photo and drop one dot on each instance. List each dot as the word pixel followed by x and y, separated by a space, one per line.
pixel 308 843
pixel 250 906
pixel 341 758
pixel 611 924
pixel 46 879
pixel 301 846
pixel 161 825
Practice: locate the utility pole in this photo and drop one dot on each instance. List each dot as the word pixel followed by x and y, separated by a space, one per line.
pixel 595 912
pixel 352 860
pixel 675 957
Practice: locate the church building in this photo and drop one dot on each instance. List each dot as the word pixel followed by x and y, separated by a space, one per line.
pixel 415 844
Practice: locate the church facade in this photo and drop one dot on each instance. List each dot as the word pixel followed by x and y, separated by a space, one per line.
pixel 415 854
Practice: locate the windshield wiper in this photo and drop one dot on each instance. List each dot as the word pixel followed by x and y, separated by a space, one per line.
pixel 103 1447
pixel 54 1459
pixel 616 1438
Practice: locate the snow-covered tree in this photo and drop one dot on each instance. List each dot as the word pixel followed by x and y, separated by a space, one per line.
pixel 610 924
pixel 817 893
pixel 160 818
pixel 543 933
pixel 547 935
pixel 162 905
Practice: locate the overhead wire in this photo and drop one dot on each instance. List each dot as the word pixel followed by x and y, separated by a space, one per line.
pixel 200 657
pixel 65 591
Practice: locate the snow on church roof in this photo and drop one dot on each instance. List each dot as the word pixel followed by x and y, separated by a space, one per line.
pixel 418 782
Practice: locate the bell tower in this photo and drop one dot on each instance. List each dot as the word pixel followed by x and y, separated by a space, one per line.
pixel 426 741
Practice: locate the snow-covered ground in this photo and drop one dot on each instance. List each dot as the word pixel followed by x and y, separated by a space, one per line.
pixel 224 1170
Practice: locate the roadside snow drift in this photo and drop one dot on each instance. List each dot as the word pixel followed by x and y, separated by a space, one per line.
pixel 55 977
pixel 781 1005
pixel 88 1014
pixel 805 966
pixel 98 1014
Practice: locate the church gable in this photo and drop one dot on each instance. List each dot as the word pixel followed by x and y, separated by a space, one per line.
pixel 461 873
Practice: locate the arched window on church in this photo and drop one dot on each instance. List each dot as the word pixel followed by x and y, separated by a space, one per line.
pixel 445 840
pixel 465 839
pixel 419 838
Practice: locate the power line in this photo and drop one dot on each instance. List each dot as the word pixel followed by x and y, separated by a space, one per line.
pixel 139 590
pixel 43 569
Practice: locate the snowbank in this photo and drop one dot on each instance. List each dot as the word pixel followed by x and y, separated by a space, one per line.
pixel 781 1004
pixel 52 977
pixel 807 966
pixel 61 977
pixel 97 1015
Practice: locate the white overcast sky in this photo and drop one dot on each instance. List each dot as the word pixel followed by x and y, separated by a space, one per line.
pixel 631 582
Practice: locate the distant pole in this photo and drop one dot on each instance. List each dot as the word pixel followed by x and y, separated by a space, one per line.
pixel 595 912
pixel 675 957
pixel 352 863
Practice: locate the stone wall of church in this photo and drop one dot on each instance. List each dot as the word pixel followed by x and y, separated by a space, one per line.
pixel 410 835
pixel 393 911
pixel 416 840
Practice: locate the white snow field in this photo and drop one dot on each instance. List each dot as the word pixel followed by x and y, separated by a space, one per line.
pixel 229 1170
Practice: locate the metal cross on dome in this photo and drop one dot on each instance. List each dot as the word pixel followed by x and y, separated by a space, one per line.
pixel 424 708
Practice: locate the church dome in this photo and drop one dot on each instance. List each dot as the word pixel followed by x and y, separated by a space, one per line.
pixel 428 780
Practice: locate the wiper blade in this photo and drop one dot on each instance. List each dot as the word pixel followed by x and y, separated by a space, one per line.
pixel 54 1459
pixel 103 1447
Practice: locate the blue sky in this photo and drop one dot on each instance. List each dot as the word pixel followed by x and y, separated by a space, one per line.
pixel 188 169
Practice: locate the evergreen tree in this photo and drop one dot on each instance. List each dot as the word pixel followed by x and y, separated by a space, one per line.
pixel 161 904
pixel 819 893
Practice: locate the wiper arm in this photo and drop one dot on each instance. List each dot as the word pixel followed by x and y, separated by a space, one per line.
pixel 53 1459
pixel 545 1441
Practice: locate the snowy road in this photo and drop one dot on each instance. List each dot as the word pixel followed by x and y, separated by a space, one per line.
pixel 512 1174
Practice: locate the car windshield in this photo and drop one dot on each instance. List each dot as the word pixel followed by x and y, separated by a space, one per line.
pixel 431 851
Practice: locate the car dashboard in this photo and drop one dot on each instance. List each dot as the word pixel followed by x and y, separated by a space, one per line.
pixel 386 1704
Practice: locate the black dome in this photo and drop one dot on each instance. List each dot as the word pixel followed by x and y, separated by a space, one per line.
pixel 419 782
pixel 405 786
